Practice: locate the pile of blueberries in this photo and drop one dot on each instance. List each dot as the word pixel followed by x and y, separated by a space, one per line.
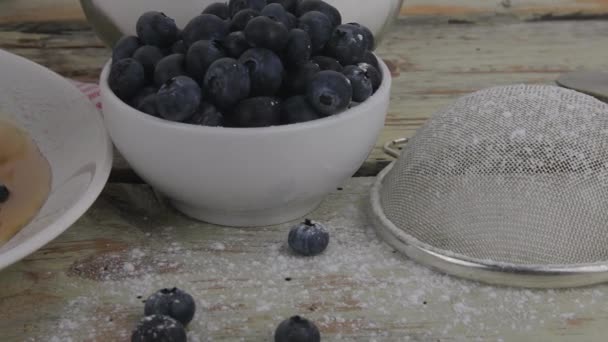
pixel 246 63
pixel 168 311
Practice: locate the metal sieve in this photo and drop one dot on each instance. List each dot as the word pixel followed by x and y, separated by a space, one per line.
pixel 507 186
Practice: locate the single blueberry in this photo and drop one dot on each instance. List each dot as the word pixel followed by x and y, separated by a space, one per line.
pixel 159 328
pixel 227 82
pixel 219 9
pixel 296 109
pixel 298 49
pixel 293 21
pixel 179 47
pixel 200 56
pixel 330 11
pixel 178 98
pixel 347 45
pixel 155 28
pixel 371 59
pixel 235 44
pixel 367 35
pixel 125 47
pixel 266 33
pixel 265 71
pixel 308 238
pixel 239 5
pixel 5 193
pixel 172 302
pixel 276 12
pixel 319 28
pixel 328 63
pixel 298 78
pixel 289 5
pixel 207 115
pixel 148 105
pixel 148 56
pixel 372 73
pixel 360 81
pixel 126 78
pixel 242 18
pixel 204 27
pixel 257 112
pixel 297 329
pixel 169 67
pixel 141 95
pixel 329 92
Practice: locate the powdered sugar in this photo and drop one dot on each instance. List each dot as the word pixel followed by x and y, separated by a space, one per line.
pixel 245 282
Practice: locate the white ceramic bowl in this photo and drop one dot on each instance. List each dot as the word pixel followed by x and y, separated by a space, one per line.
pixel 246 176
pixel 112 18
pixel 69 132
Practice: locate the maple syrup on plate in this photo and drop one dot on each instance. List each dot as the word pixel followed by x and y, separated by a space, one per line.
pixel 27 176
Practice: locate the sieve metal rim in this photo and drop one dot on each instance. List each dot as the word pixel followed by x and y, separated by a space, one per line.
pixel 486 271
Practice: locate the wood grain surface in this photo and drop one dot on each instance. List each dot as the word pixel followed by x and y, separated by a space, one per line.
pixel 433 60
pixel 88 285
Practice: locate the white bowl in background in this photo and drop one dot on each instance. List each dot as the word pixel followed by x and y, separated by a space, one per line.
pixel 113 18
pixel 70 134
pixel 246 176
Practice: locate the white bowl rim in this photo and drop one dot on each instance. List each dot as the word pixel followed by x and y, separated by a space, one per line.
pixel 97 184
pixel 365 106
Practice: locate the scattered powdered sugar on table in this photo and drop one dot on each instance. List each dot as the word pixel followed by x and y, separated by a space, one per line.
pixel 359 287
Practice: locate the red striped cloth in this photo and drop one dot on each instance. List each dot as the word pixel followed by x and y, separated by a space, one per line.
pixel 91 90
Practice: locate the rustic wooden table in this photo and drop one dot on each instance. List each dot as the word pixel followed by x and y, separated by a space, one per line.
pixel 88 284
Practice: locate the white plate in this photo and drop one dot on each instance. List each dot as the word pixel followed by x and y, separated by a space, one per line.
pixel 70 133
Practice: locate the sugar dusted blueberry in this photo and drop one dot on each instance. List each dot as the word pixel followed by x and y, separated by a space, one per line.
pixel 178 98
pixel 159 328
pixel 368 36
pixel 125 47
pixel 257 112
pixel 370 59
pixel 126 78
pixel 308 238
pixel 329 92
pixel 204 27
pixel 347 45
pixel 319 28
pixel 172 302
pixel 266 33
pixel 265 71
pixel 372 73
pixel 155 28
pixel 227 82
pixel 297 329
pixel 360 81
pixel 219 9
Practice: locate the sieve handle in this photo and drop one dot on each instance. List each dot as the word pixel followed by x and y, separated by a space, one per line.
pixel 392 148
